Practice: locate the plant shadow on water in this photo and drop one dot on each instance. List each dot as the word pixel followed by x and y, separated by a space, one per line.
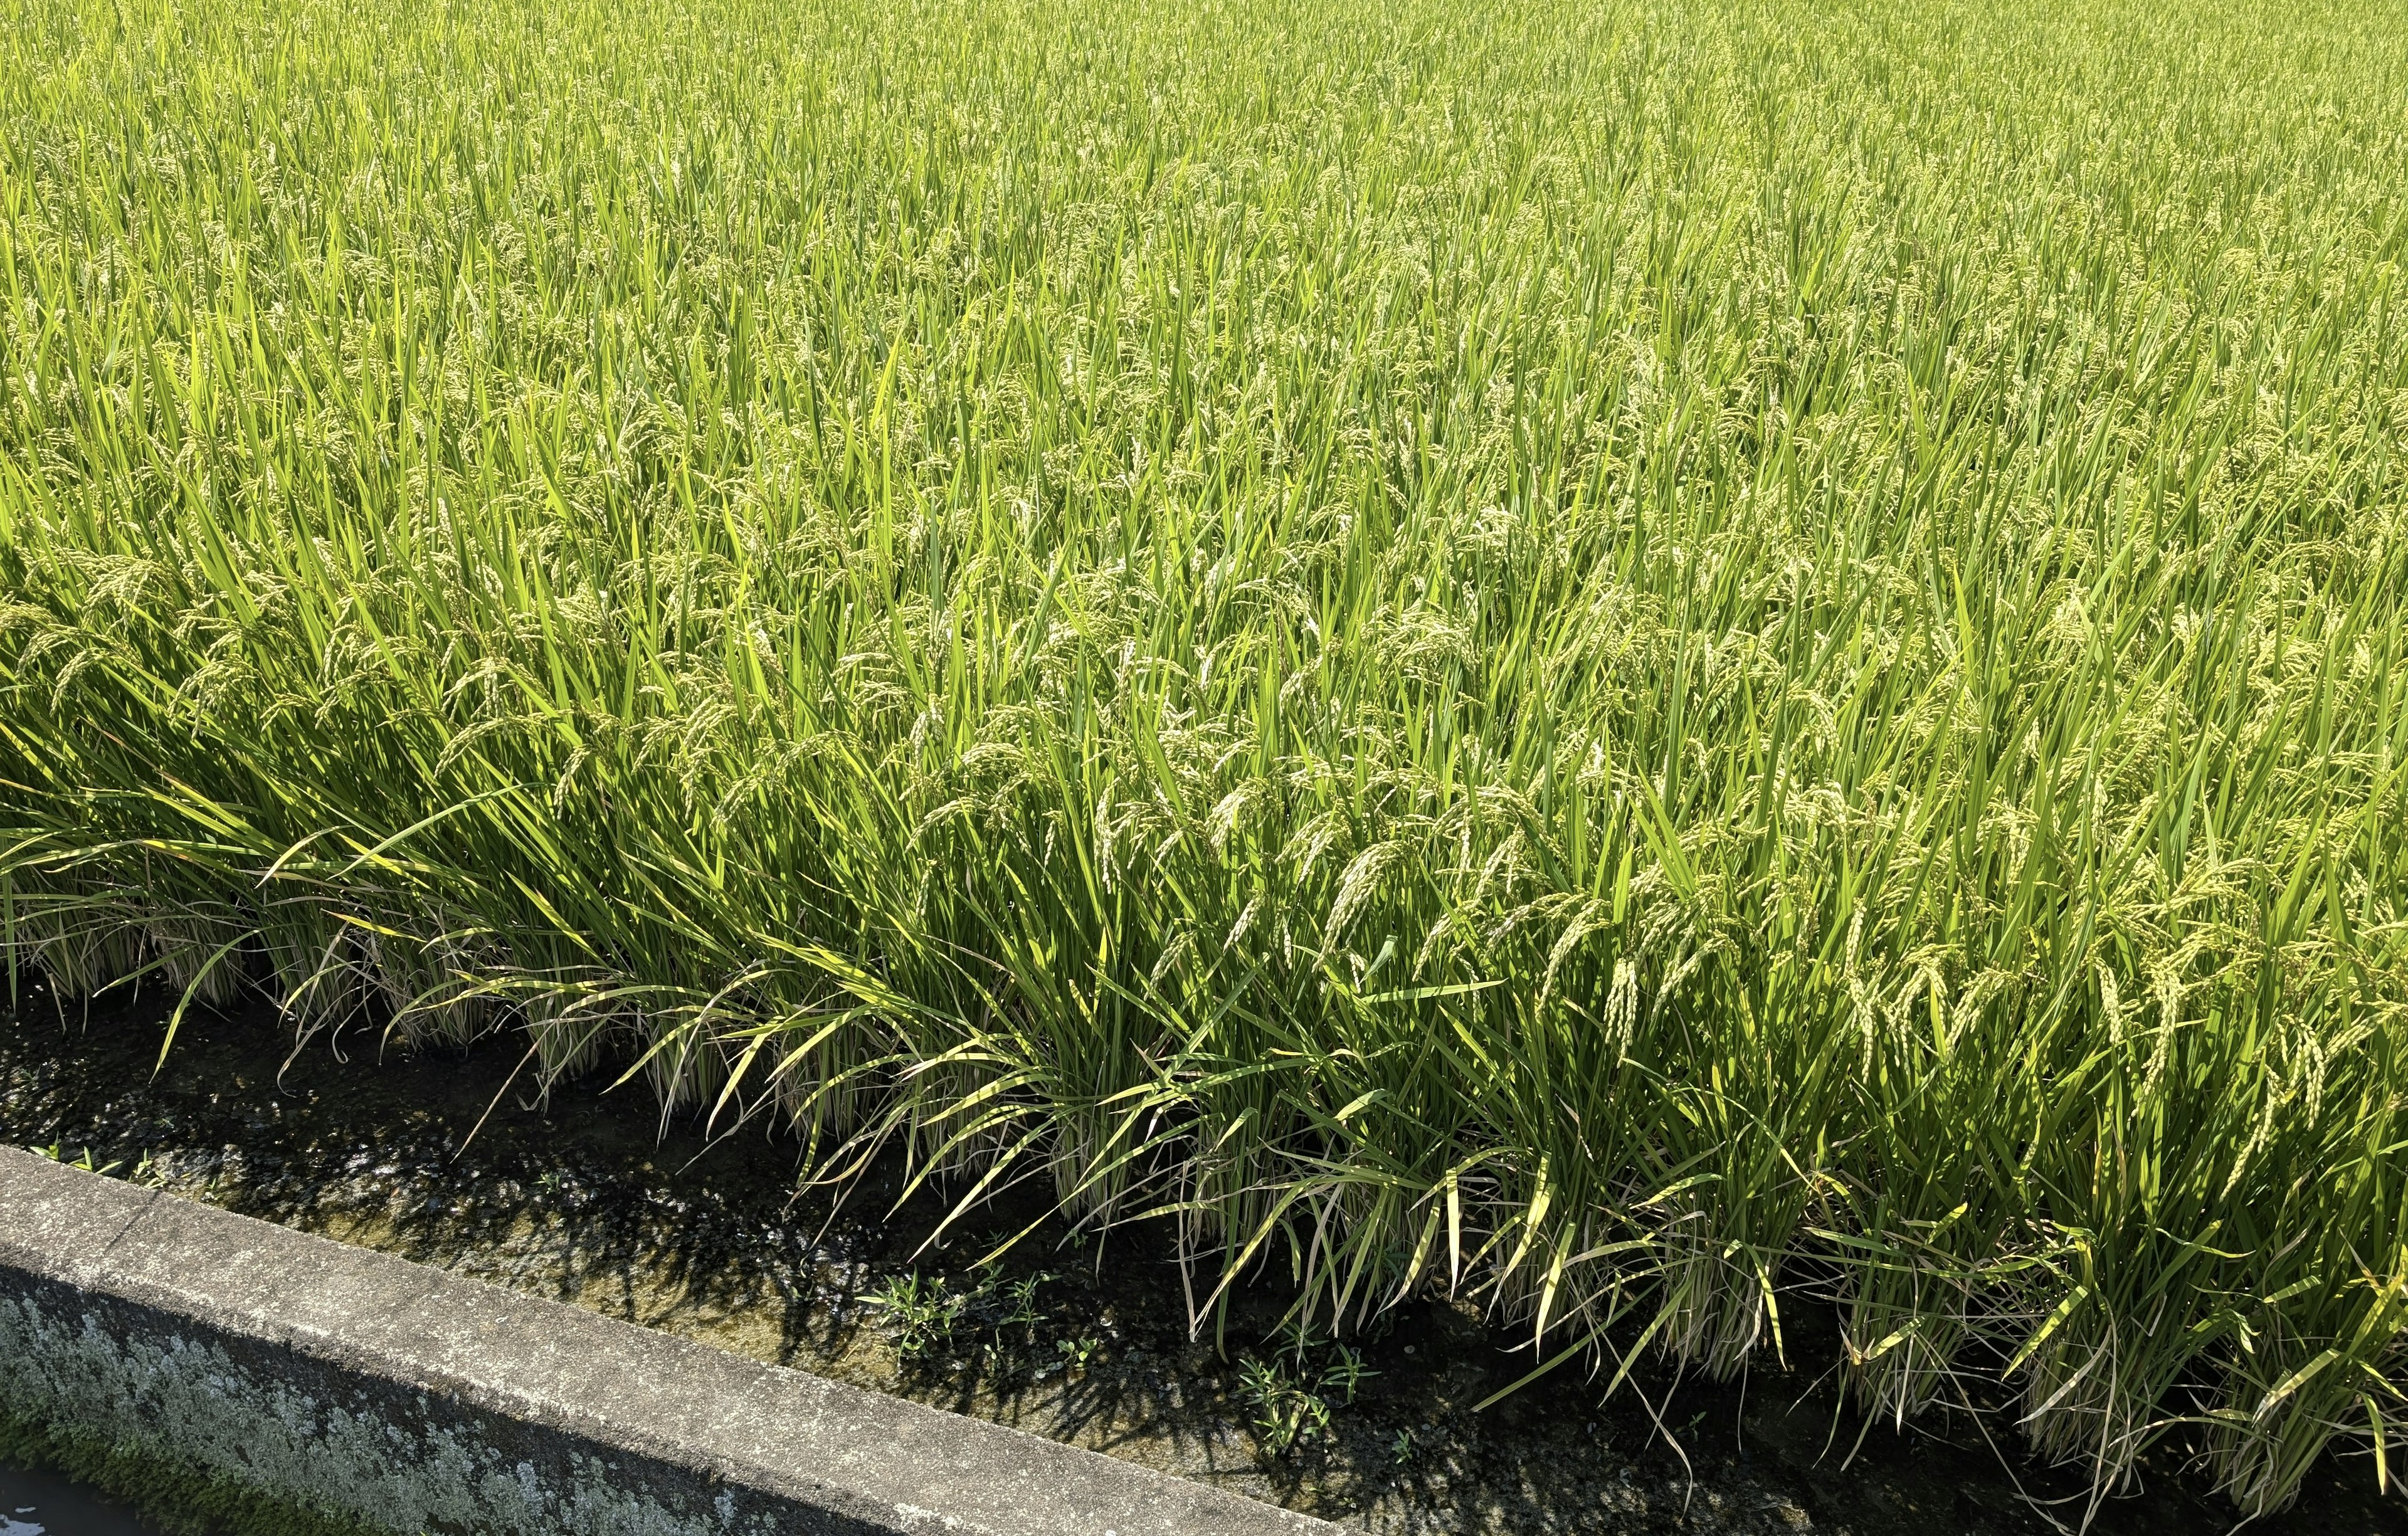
pixel 586 1198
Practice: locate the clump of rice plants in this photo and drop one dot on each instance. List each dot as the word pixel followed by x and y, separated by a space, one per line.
pixel 1634 660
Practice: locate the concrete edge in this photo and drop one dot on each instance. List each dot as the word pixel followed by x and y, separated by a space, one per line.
pixel 404 1398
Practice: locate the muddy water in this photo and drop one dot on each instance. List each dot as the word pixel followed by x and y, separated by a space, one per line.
pixel 586 1199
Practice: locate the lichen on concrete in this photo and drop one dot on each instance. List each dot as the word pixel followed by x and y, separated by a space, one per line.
pixel 175 1419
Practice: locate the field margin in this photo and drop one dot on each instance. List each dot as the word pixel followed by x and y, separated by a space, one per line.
pixel 359 1390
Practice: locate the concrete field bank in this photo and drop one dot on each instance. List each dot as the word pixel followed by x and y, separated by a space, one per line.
pixel 363 1392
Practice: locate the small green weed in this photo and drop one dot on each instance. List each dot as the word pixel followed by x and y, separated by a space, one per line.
pixel 920 1313
pixel 56 1152
pixel 1286 1411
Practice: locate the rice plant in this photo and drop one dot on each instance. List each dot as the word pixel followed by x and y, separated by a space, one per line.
pixel 1639 661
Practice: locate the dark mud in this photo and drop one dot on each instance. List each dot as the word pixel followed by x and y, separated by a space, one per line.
pixel 584 1198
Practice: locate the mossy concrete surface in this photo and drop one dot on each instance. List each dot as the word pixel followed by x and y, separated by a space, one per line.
pixel 352 1390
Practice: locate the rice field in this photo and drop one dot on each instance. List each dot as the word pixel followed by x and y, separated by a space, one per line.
pixel 1662 664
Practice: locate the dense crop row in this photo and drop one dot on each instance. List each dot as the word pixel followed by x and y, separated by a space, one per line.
pixel 1639 658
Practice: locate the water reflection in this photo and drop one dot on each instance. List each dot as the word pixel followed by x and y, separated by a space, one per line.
pixel 36 1503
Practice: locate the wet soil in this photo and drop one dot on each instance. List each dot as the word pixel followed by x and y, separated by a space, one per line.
pixel 586 1198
